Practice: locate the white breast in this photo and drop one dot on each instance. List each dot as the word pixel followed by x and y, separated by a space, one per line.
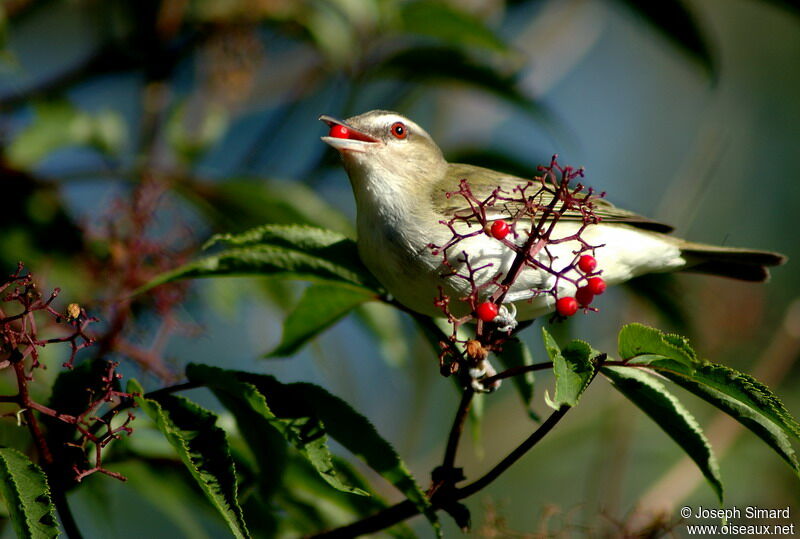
pixel 412 274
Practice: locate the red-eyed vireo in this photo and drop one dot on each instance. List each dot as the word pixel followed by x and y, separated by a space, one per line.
pixel 400 180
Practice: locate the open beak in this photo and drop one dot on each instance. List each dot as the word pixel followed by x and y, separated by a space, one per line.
pixel 356 142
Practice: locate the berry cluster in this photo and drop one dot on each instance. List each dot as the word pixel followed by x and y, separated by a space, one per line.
pixel 567 306
pixel 528 229
pixel 83 429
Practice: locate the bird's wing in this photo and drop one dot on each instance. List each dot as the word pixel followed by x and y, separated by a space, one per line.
pixel 483 181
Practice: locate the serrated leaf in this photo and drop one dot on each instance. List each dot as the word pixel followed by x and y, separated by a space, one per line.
pixel 240 203
pixel 449 24
pixel 169 492
pixel 306 433
pixel 516 353
pixel 432 65
pixel 307 495
pixel 280 251
pixel 678 24
pixel 653 399
pixel 320 413
pixel 737 394
pixel 320 307
pixel 638 339
pixel 202 447
pixel 27 496
pixel 573 368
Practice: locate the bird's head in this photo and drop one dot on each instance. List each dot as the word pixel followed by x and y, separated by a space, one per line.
pixel 384 150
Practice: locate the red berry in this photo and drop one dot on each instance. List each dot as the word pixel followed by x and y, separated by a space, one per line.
pixel 339 131
pixel 587 263
pixel 567 306
pixel 596 285
pixel 487 311
pixel 584 296
pixel 500 229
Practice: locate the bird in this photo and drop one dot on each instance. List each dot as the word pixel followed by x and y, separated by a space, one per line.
pixel 401 180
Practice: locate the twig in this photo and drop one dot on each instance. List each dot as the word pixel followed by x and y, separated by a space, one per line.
pixel 458 427
pixel 399 512
pixel 404 510
pixel 128 402
pixel 56 489
pixel 516 371
pixel 514 456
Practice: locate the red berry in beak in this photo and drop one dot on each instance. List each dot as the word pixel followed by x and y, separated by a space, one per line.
pixel 500 229
pixel 587 263
pixel 487 311
pixel 567 306
pixel 339 131
pixel 596 285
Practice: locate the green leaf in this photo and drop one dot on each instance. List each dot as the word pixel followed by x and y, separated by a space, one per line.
pixel 310 505
pixel 244 400
pixel 573 368
pixel 332 33
pixel 238 204
pixel 59 124
pixel 203 448
pixel 433 65
pixel 317 413
pixel 27 496
pixel 516 353
pixel 383 321
pixel 168 490
pixel 653 399
pixel 194 127
pixel 266 443
pixel 449 24
pixel 3 33
pixel 637 339
pixel 737 394
pixel 678 24
pixel 791 6
pixel 280 251
pixel 320 307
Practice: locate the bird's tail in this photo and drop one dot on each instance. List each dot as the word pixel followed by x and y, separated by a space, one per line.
pixel 734 262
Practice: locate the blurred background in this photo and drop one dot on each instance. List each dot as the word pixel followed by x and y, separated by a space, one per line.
pixel 132 131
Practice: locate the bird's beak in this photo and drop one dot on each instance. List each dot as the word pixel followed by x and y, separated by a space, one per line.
pixel 356 142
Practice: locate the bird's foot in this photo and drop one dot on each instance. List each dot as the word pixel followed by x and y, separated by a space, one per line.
pixel 478 374
pixel 506 318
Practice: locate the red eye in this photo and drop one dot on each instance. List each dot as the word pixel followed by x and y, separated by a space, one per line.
pixel 399 130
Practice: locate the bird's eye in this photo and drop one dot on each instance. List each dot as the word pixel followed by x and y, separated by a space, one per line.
pixel 399 130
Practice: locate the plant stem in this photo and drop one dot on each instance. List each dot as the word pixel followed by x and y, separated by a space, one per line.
pixel 399 512
pixel 458 427
pixel 514 456
pixel 128 402
pixel 56 489
pixel 404 510
pixel 25 402
pixel 516 371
